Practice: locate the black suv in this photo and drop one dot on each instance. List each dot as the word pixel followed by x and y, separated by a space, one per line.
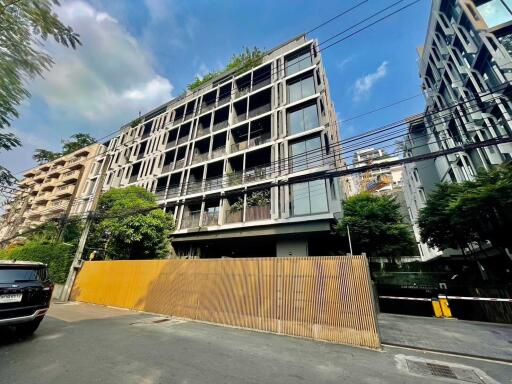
pixel 25 293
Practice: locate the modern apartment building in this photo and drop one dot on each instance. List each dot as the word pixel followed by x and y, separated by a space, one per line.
pixel 379 180
pixel 234 159
pixel 49 191
pixel 466 69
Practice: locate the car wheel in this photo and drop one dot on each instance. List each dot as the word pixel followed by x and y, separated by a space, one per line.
pixel 26 329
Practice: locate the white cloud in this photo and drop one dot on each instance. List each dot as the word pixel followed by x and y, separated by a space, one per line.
pixel 108 80
pixel 343 63
pixel 363 85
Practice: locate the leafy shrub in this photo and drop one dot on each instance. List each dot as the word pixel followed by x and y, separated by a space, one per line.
pixel 58 257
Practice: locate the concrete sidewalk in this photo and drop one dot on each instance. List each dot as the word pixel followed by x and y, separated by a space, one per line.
pixel 488 340
pixel 83 344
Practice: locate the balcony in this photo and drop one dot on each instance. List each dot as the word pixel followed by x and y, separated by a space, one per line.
pixel 218 152
pixel 213 183
pixel 194 187
pixel 257 174
pixel 199 157
pixel 133 179
pixel 239 146
pixel 234 178
pixel 220 125
pixel 179 163
pixel 257 212
pixel 190 219
pixel 210 218
pixel 67 189
pixel 57 205
pixel 71 175
pixel 173 192
pixel 234 216
pixel 182 140
pixel 259 140
pixel 167 168
pixel 259 110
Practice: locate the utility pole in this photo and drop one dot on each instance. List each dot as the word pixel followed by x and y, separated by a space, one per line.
pixel 76 264
pixel 349 241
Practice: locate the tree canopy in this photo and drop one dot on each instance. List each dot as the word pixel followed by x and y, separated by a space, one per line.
pixel 130 225
pixel 376 226
pixel 248 58
pixel 477 211
pixel 76 142
pixel 24 27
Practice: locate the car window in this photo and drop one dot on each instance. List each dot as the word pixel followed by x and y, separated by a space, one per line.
pixel 12 275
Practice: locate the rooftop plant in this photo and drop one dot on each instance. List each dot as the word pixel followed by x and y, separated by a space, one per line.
pixel 245 60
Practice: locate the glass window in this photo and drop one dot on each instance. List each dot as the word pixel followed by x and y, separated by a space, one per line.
pixel 301 88
pixel 297 61
pixel 15 275
pixel 506 40
pixel 308 198
pixel 495 12
pixel 306 154
pixel 302 119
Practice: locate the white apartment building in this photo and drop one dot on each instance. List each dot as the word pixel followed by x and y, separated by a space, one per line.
pixel 234 160
pixel 379 180
pixel 466 69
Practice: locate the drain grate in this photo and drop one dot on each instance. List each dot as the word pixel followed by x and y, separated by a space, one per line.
pixel 425 368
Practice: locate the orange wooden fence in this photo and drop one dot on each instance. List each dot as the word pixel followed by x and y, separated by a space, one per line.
pixel 324 298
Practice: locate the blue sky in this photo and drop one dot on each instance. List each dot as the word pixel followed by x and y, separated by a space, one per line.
pixel 137 54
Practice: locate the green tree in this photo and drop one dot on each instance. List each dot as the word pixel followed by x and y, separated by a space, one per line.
pixel 130 225
pixel 376 226
pixel 24 27
pixel 77 141
pixel 457 215
pixel 44 156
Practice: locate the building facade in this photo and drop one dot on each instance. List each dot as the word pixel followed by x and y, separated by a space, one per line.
pixel 49 191
pixel 379 180
pixel 234 160
pixel 466 70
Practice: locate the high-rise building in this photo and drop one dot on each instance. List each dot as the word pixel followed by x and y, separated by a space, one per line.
pixel 234 159
pixel 48 191
pixel 466 69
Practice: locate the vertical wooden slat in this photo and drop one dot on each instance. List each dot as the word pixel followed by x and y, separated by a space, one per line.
pixel 326 298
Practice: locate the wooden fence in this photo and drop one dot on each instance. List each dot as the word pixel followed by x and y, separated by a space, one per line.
pixel 323 298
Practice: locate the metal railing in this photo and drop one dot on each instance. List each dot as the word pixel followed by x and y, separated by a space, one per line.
pixel 257 174
pixel 179 163
pixel 213 183
pixel 262 83
pixel 234 178
pixel 194 186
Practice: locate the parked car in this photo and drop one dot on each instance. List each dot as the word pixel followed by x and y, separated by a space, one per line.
pixel 25 294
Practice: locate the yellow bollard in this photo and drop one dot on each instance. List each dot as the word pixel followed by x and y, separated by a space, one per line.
pixel 437 308
pixel 445 307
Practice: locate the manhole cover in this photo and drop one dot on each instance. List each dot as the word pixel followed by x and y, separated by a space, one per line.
pixel 440 369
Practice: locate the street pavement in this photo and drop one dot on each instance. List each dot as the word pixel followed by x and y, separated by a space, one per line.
pixel 80 343
pixel 458 336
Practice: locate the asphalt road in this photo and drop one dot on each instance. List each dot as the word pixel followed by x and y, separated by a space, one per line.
pixel 80 343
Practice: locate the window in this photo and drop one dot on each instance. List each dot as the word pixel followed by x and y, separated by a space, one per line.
pixel 297 61
pixel 506 40
pixel 306 154
pixel 495 12
pixel 301 88
pixel 308 198
pixel 302 119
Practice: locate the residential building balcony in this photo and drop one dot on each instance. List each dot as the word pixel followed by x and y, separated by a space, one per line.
pixel 259 140
pixel 199 157
pixel 70 175
pixel 190 219
pixel 218 152
pixel 67 189
pixel 210 218
pixel 234 216
pixel 257 174
pixel 257 212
